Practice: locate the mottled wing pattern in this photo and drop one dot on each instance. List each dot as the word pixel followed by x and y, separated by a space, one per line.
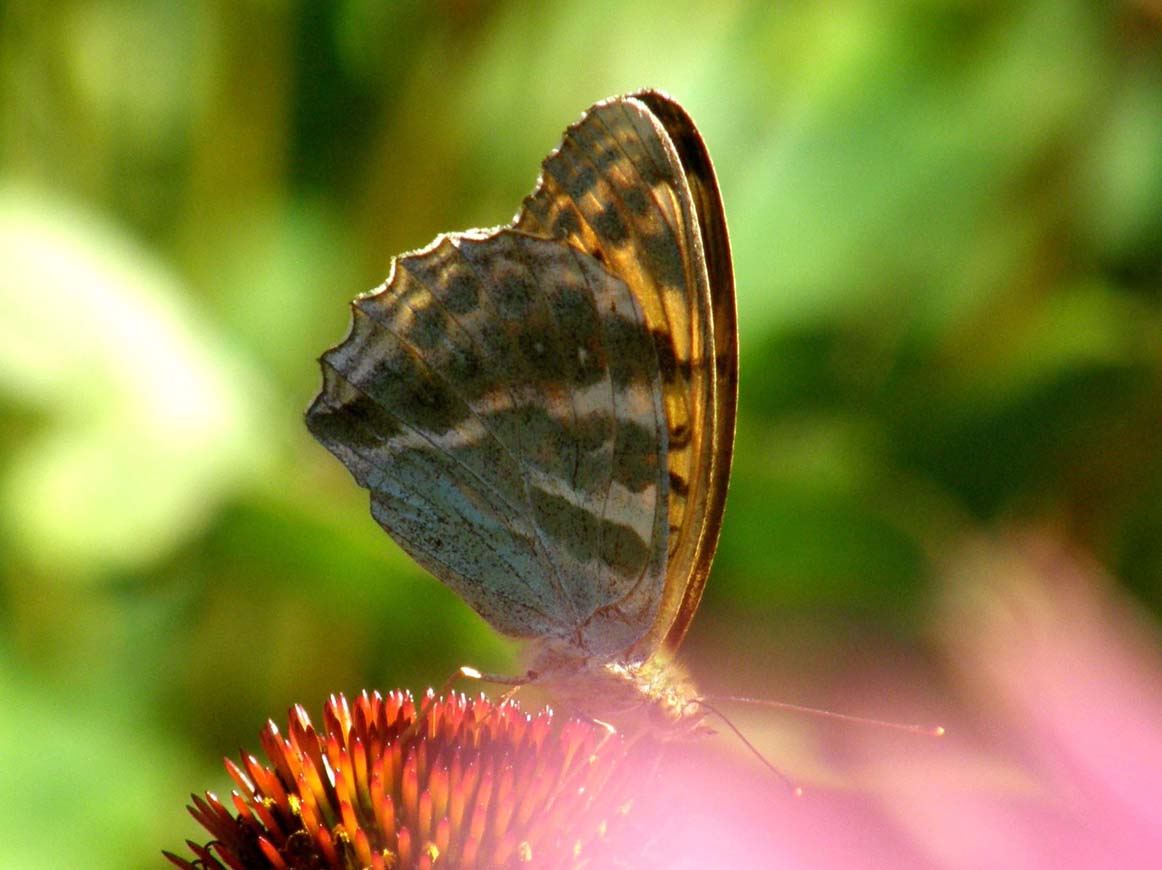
pixel 632 185
pixel 501 398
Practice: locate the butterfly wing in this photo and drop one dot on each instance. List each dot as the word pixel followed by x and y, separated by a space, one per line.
pixel 501 398
pixel 632 185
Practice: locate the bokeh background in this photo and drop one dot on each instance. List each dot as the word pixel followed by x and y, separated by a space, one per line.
pixel 947 228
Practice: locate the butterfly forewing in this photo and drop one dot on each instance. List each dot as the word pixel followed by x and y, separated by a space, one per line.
pixel 719 270
pixel 632 185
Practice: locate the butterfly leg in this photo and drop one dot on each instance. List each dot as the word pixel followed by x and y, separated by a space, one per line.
pixel 498 679
pixel 513 682
pixel 466 671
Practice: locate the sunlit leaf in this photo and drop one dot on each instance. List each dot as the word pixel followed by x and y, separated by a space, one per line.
pixel 147 419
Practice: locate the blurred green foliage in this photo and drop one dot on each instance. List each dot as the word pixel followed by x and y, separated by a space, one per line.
pixel 947 219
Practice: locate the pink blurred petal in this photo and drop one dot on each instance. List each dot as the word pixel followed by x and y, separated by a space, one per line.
pixel 1071 675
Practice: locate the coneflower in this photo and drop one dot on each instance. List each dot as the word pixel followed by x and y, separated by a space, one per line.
pixel 465 783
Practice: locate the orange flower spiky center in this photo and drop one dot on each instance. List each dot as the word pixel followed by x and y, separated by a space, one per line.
pixel 467 783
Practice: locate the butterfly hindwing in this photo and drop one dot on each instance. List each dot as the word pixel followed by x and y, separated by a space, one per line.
pixel 501 399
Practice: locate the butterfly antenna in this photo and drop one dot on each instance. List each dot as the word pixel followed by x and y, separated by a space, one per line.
pixel 925 730
pixel 796 790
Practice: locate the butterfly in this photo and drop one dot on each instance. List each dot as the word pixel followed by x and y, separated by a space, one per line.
pixel 544 412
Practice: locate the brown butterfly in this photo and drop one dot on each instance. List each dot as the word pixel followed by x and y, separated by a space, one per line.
pixel 544 413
